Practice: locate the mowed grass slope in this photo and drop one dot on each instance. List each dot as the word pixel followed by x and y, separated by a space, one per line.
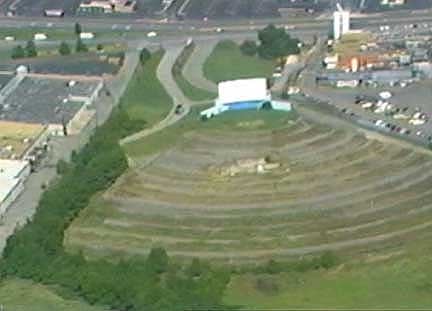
pixel 22 295
pixel 145 98
pixel 334 190
pixel 226 62
pixel 399 283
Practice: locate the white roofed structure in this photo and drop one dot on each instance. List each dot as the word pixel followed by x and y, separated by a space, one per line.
pixel 243 90
pixel 243 94
pixel 13 173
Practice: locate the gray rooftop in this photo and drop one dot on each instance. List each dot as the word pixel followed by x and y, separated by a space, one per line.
pixel 41 100
pixel 378 75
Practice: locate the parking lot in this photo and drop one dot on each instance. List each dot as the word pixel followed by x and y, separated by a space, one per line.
pixel 394 115
pixel 37 7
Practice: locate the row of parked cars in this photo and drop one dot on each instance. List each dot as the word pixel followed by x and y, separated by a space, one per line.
pixel 382 106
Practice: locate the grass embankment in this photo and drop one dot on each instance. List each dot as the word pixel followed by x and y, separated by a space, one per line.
pixel 187 88
pixel 399 283
pixel 22 295
pixel 145 97
pixel 225 122
pixel 226 62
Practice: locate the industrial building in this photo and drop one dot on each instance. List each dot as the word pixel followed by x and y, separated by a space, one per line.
pixel 243 94
pixel 13 174
pixel 60 104
pixel 341 22
pixel 107 6
pixel 380 77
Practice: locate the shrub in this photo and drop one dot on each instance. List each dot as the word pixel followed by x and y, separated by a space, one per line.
pixel 249 47
pixel 64 48
pixel 18 52
pixel 31 49
pixel 145 55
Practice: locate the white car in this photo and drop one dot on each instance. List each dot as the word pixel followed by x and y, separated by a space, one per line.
pixel 380 123
pixel 400 116
pixel 367 105
pixel 416 122
pixel 151 34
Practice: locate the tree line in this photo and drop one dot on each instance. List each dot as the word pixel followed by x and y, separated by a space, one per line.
pixel 30 50
pixel 35 251
pixel 274 43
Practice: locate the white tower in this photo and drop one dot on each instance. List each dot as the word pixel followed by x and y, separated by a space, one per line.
pixel 341 22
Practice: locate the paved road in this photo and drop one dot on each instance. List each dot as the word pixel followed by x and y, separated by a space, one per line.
pixel 164 74
pixel 193 69
pixel 244 24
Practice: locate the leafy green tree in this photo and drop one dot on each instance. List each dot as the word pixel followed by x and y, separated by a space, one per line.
pixel 64 48
pixel 78 29
pixel 18 52
pixel 99 47
pixel 30 49
pixel 158 260
pixel 276 43
pixel 195 269
pixel 249 47
pixel 145 55
pixel 328 260
pixel 272 267
pixel 80 46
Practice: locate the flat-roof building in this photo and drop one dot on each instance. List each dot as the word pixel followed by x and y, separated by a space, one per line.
pixel 13 174
pixel 54 102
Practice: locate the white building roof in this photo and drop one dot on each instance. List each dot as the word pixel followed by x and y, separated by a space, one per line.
pixel 6 187
pixel 10 171
pixel 242 90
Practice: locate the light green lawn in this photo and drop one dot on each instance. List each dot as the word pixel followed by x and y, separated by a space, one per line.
pixel 192 92
pixel 145 97
pixel 225 122
pixel 22 295
pixel 226 62
pixel 398 283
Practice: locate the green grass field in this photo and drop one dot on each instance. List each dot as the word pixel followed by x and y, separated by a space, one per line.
pixel 164 139
pixel 401 283
pixel 189 90
pixel 146 98
pixel 21 295
pixel 227 62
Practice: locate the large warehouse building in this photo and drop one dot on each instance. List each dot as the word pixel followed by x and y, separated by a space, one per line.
pixel 13 174
pixel 60 104
pixel 243 94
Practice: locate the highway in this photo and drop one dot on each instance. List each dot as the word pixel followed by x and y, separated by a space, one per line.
pixel 199 27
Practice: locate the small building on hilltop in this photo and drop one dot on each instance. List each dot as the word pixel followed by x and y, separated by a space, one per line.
pixel 243 94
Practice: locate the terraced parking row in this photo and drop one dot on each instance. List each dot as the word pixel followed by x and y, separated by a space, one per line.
pixel 334 190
